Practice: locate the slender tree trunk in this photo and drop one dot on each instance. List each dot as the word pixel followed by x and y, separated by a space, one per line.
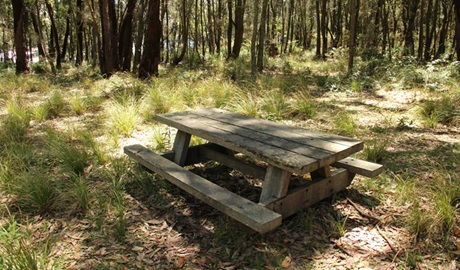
pixel 318 29
pixel 255 24
pixel 80 29
pixel 125 39
pixel 140 34
pixel 67 34
pixel 184 25
pixel 262 29
pixel 230 28
pixel 239 28
pixel 151 51
pixel 457 29
pixel 420 31
pixel 55 36
pixel 324 27
pixel 19 37
pixel 446 15
pixel 354 13
pixel 409 14
pixel 113 28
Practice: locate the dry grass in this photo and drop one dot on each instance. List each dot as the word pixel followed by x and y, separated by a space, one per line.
pixel 76 202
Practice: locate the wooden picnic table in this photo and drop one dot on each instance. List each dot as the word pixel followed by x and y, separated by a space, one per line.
pixel 286 150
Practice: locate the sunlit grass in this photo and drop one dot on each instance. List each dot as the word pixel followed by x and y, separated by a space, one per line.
pixel 122 116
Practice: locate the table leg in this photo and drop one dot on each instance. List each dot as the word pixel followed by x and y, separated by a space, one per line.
pixel 180 147
pixel 275 185
pixel 323 172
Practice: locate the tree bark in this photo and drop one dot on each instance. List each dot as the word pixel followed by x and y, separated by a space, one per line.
pixel 262 29
pixel 409 14
pixel 324 27
pixel 125 40
pixel 255 24
pixel 67 34
pixel 318 29
pixel 80 30
pixel 457 28
pixel 140 34
pixel 229 28
pixel 184 29
pixel 55 35
pixel 19 37
pixel 354 13
pixel 239 28
pixel 151 50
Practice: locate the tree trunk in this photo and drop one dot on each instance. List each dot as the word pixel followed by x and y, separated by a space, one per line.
pixel 140 34
pixel 457 29
pixel 262 29
pixel 409 14
pixel 446 15
pixel 80 29
pixel 184 28
pixel 318 29
pixel 324 27
pixel 420 31
pixel 255 24
pixel 239 28
pixel 151 50
pixel 67 34
pixel 19 37
pixel 125 40
pixel 54 34
pixel 229 28
pixel 354 13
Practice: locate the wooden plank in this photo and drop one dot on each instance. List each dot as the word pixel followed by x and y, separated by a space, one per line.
pixel 321 172
pixel 323 157
pixel 258 150
pixel 359 166
pixel 245 211
pixel 232 162
pixel 180 147
pixel 275 186
pixel 331 142
pixel 310 193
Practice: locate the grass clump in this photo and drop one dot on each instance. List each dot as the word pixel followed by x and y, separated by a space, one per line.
pixel 302 105
pixel 375 150
pixel 36 192
pixel 344 124
pixel 244 103
pixel 445 111
pixel 17 121
pixel 68 152
pixel 274 105
pixel 78 104
pixel 123 116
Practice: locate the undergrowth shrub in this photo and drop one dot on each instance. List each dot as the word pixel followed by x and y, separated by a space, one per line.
pixel 274 105
pixel 17 120
pixel 344 124
pixel 36 192
pixel 302 105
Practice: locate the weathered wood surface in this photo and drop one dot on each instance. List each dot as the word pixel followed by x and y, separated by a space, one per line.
pixel 276 184
pixel 294 149
pixel 359 166
pixel 311 192
pixel 245 211
pixel 180 147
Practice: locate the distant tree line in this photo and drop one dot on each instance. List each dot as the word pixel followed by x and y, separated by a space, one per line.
pixel 138 35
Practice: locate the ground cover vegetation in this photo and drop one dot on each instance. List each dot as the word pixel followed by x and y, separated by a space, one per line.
pixel 71 199
pixel 79 80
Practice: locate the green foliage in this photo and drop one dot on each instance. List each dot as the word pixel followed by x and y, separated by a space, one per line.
pixel 244 103
pixel 344 124
pixel 17 121
pixel 302 105
pixel 237 69
pixel 56 103
pixel 274 105
pixel 122 116
pixel 375 150
pixel 445 110
pixel 78 104
pixel 36 192
pixel 71 154
pixel 41 112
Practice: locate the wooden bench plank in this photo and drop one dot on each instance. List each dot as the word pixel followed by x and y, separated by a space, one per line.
pixel 245 211
pixel 255 149
pixel 359 166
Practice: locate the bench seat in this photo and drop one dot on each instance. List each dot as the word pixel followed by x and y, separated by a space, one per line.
pixel 359 166
pixel 245 211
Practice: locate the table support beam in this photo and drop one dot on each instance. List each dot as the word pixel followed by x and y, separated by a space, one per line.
pixel 275 185
pixel 180 147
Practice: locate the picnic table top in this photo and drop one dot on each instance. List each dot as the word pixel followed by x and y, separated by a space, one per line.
pixel 294 149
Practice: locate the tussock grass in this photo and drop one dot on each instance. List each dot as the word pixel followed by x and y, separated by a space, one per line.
pixel 122 116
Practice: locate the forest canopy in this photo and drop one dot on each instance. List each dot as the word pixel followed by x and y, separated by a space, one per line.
pixel 138 35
